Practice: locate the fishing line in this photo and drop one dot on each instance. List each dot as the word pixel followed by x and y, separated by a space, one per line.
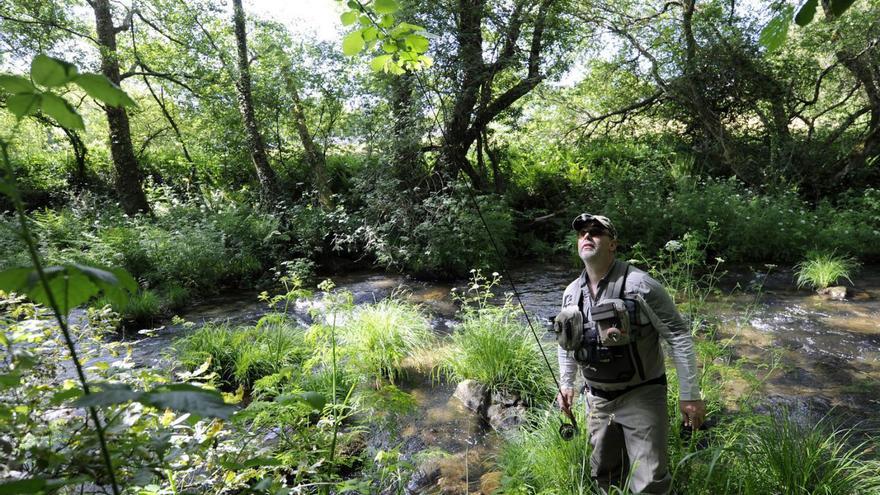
pixel 567 431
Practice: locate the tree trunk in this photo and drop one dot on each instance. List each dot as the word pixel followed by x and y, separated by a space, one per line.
pixel 865 68
pixel 406 136
pixel 128 181
pixel 313 155
pixel 265 174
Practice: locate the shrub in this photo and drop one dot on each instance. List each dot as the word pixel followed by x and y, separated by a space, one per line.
pixel 379 337
pixel 820 270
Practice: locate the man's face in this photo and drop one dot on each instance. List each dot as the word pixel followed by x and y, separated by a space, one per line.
pixel 594 243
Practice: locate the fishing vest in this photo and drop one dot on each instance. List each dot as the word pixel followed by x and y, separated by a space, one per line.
pixel 608 345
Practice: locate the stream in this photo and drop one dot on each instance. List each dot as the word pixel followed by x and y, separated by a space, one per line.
pixel 827 353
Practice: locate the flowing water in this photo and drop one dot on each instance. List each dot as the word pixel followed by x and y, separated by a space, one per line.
pixel 828 352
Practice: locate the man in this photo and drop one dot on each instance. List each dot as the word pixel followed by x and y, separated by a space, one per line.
pixel 624 313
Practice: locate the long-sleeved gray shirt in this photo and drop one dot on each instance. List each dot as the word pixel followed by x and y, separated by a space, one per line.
pixel 666 322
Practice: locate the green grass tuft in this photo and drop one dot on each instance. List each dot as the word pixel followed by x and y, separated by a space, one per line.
pixel 377 338
pixel 493 348
pixel 821 270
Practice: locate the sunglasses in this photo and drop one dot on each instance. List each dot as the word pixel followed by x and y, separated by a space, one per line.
pixel 594 231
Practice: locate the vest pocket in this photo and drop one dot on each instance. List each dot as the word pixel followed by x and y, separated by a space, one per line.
pixel 609 364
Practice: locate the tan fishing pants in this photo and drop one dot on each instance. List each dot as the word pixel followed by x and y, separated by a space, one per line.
pixel 628 435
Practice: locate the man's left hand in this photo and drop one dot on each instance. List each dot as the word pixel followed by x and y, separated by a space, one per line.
pixel 693 412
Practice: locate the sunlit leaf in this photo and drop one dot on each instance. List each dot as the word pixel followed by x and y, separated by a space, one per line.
pixel 353 43
pixel 100 88
pixel 379 63
pixel 806 13
pixel 370 33
pixel 57 108
pixel 776 31
pixel 418 43
pixel 16 84
pixel 349 18
pixel 23 104
pixel 386 6
pixel 49 71
pixel 387 21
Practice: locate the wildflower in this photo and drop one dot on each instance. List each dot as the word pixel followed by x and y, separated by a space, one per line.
pixel 494 274
pixel 719 259
pixel 672 246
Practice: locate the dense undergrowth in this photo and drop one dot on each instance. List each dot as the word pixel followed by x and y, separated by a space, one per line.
pixel 195 245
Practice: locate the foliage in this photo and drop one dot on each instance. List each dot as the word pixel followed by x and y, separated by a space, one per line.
pixel 820 270
pixel 494 348
pixel 403 45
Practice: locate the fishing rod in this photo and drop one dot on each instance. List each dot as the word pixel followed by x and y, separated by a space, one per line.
pixel 566 430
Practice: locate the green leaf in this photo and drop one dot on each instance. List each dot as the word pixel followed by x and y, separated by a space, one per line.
pixel 776 31
pixel 10 380
pixel 65 395
pixel 386 6
pixel 389 47
pixel 115 285
pixel 16 84
pixel 189 398
pixel 100 88
pixel 838 7
pixel 379 63
pixel 49 71
pixel 353 43
pixel 57 108
pixel 69 288
pixel 349 18
pixel 806 13
pixel 110 394
pixel 23 104
pixel 369 33
pixel 14 280
pixel 418 43
pixel 365 20
pixel 387 21
pixel 32 485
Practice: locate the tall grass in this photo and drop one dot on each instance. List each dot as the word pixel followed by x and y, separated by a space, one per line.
pixel 537 459
pixel 820 270
pixel 242 355
pixel 377 338
pixel 776 454
pixel 495 349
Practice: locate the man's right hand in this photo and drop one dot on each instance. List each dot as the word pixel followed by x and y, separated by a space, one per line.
pixel 565 398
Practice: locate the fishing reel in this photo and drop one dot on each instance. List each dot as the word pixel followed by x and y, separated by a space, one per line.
pixel 569 430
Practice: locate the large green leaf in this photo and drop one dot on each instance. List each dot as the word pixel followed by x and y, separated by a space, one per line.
pixel 840 6
pixel 349 18
pixel 189 398
pixel 776 31
pixel 108 395
pixel 100 88
pixel 71 285
pixel 32 485
pixel 23 104
pixel 49 71
pixel 806 13
pixel 418 43
pixel 353 43
pixel 57 108
pixel 16 84
pixel 379 63
pixel 386 6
